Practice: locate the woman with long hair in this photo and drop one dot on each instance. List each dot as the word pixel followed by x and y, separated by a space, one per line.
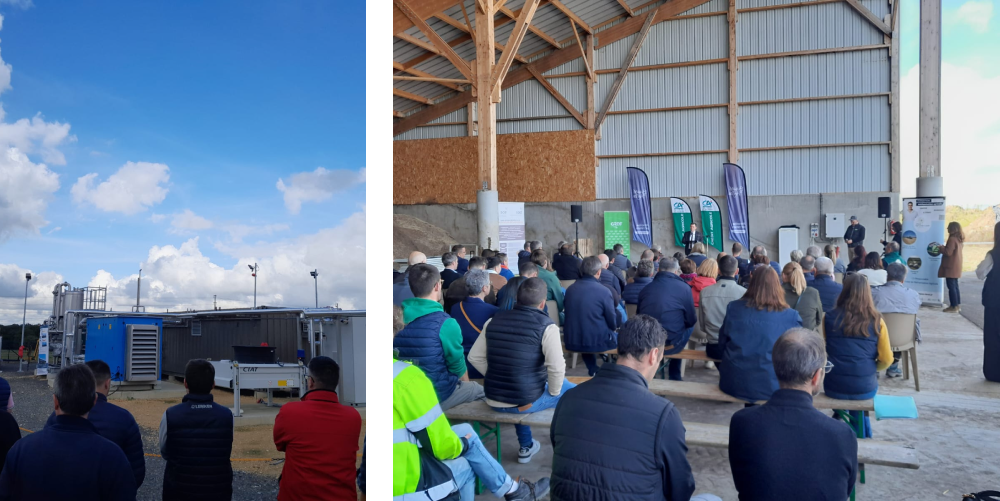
pixel 857 343
pixel 802 298
pixel 951 265
pixel 873 270
pixel 752 325
pixel 991 307
pixel 830 251
pixel 708 271
pixel 858 262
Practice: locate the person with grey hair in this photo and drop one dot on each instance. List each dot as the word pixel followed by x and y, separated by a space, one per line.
pixel 894 297
pixel 786 448
pixel 610 278
pixel 668 299
pixel 828 288
pixel 796 255
pixel 808 264
pixel 892 255
pixel 814 251
pixel 450 272
pixel 473 312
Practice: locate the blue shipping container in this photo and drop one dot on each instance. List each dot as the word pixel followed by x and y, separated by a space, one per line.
pixel 108 339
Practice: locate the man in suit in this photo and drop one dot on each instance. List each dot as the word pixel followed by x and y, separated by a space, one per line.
pixel 690 238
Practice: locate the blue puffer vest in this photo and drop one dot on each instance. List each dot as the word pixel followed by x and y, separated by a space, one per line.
pixel 853 358
pixel 199 443
pixel 517 372
pixel 420 343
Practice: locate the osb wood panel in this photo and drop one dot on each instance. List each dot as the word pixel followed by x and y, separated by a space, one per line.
pixel 535 167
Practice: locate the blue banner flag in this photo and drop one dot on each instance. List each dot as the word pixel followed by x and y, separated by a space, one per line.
pixel 736 198
pixel 642 216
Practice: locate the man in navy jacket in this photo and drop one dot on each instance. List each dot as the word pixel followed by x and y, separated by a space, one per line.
pixel 591 318
pixel 463 264
pixel 113 422
pixel 565 264
pixel 829 289
pixel 91 467
pixel 643 277
pixel 786 449
pixel 621 261
pixel 668 299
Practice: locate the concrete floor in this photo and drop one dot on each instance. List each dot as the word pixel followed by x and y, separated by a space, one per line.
pixel 957 435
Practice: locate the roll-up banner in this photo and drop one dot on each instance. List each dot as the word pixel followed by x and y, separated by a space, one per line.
pixel 736 204
pixel 682 219
pixel 511 215
pixel 616 230
pixel 42 360
pixel 923 240
pixel 711 221
pixel 642 215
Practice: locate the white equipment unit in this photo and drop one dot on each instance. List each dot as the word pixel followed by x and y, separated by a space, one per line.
pixel 142 353
pixel 788 240
pixel 237 376
pixel 835 225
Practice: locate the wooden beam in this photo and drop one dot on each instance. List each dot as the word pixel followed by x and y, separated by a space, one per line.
pixel 418 73
pixel 534 29
pixel 486 107
pixel 436 39
pixel 454 23
pixel 875 21
pixel 559 97
pixel 895 13
pixel 513 44
pixel 397 114
pixel 432 79
pixel 583 52
pixel 665 12
pixel 733 108
pixel 424 9
pixel 565 10
pixel 470 122
pixel 591 81
pixel 468 23
pixel 620 80
pixel 774 55
pixel 429 47
pixel 628 9
pixel 411 96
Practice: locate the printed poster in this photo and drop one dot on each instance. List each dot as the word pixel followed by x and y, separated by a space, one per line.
pixel 511 231
pixel 923 239
pixel 617 230
pixel 42 365
pixel 642 218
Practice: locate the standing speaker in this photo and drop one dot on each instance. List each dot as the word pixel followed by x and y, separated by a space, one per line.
pixel 884 207
pixel 576 213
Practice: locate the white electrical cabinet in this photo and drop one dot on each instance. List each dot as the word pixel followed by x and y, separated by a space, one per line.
pixel 835 225
pixel 788 240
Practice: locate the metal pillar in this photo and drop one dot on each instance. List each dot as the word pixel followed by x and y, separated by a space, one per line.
pixel 24 317
pixel 930 182
pixel 488 216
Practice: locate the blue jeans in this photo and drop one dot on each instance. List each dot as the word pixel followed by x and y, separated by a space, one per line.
pixel 954 296
pixel 477 462
pixel 546 401
pixel 674 366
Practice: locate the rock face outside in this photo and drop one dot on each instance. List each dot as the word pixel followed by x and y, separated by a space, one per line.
pixel 410 234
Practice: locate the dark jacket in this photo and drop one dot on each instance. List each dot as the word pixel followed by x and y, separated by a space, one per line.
pixel 610 280
pixel 668 299
pixel 613 439
pixel 117 425
pixel 744 266
pixel 476 310
pixel 523 256
pixel 689 241
pixel 463 265
pixel 517 372
pixel 829 291
pixel 854 359
pixel 745 341
pixel 856 234
pixel 622 263
pixel 991 334
pixel 786 449
pixel 401 291
pixel 591 318
pixel 196 441
pixel 631 293
pixel 567 266
pixel 420 343
pixel 91 467
pixel 697 258
pixel 449 276
pixel 810 277
pixel 10 433
pixel 809 305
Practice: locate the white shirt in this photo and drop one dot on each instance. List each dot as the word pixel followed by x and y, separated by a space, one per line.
pixel 875 277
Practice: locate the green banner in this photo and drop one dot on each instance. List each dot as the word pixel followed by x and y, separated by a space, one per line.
pixel 711 221
pixel 616 230
pixel 682 219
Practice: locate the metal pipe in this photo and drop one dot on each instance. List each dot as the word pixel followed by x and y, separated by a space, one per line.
pixel 308 312
pixel 24 318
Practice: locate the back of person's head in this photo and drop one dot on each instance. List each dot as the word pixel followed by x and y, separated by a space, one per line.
pixel 477 263
pixel 796 255
pixel 644 269
pixel 688 267
pixel 760 259
pixel 75 389
pixel 493 262
pixel 830 251
pixel 591 266
pixel 324 372
pixel 532 292
pixel 859 256
pixel 679 256
pixel 502 256
pixel 397 319
pixel 824 266
pixel 457 248
pixel 897 227
pixel 475 281
pixel 857 308
pixel 610 254
pixel 528 270
pixel 639 335
pixel 416 257
pixel 535 245
pixel 765 292
pixel 101 370
pixel 813 251
pixel 873 261
pixel 708 268
pixel 892 247
pixel 797 355
pixel 737 248
pixel 566 249
pixel 527 245
pixel 423 278
pixel 647 255
pixel 509 298
pixel 698 248
pixel 728 266
pixel 955 231
pixel 792 274
pixel 605 262
pixel 448 259
pixel 618 248
pixel 488 253
pixel 807 263
pixel 540 259
pixel 896 272
pixel 670 264
pixel 199 376
pixel 758 249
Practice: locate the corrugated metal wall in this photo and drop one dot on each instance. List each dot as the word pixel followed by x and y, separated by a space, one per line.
pixel 218 336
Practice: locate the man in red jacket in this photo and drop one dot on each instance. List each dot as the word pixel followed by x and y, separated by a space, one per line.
pixel 319 438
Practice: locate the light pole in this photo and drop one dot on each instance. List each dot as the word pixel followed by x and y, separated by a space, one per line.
pixel 254 269
pixel 315 274
pixel 27 279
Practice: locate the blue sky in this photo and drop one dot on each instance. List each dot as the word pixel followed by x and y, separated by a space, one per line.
pixel 169 125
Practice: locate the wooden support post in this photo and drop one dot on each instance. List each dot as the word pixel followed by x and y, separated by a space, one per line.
pixel 620 80
pixel 486 108
pixel 470 113
pixel 513 44
pixel 442 47
pixel 734 152
pixel 591 81
pixel 871 18
pixel 895 157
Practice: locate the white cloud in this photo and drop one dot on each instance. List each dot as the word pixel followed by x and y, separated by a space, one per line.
pixel 187 221
pixel 53 230
pixel 25 190
pixel 237 232
pixel 976 14
pixel 22 4
pixel 317 186
pixel 134 188
pixel 12 294
pixel 157 218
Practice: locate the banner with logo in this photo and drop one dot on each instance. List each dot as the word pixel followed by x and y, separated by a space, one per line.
pixel 711 221
pixel 642 214
pixel 616 230
pixel 736 204
pixel 682 219
pixel 42 365
pixel 511 231
pixel 923 240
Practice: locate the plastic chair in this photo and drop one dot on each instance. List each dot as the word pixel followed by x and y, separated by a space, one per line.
pixel 902 329
pixel 838 277
pixel 566 283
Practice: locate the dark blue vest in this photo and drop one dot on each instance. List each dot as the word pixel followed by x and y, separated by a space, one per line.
pixel 4 393
pixel 420 344
pixel 516 372
pixel 853 358
pixel 198 446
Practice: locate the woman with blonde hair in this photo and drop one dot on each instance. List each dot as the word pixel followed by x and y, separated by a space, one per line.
pixel 951 265
pixel 830 251
pixel 801 298
pixel 708 271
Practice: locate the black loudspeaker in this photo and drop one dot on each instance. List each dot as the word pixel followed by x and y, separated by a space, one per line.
pixel 884 207
pixel 576 213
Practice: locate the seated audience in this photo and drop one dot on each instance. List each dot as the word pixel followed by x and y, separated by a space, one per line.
pixel 668 299
pixel 796 255
pixel 610 278
pixel 857 343
pixel 614 439
pixel 621 261
pixel 504 269
pixel 697 254
pixel 831 252
pixel 566 265
pixel 708 270
pixel 894 297
pixel 457 292
pixel 892 255
pixel 643 277
pixel 824 282
pixel 786 448
pixel 741 263
pixel 541 261
pixel 647 255
pixel 858 261
pixel 760 250
pixel 433 340
pixel 814 252
pixel 473 313
pixel 493 267
pixel 873 270
pixel 714 300
pixel 450 273
pixel 524 255
pixel 487 254
pixel 751 327
pixel 507 297
pixel 463 263
pixel 689 270
pixel 401 290
pixel 521 355
pixel 800 297
pixel 591 316
pixel 808 266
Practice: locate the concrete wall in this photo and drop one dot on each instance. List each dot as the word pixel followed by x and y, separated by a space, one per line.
pixel 550 222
